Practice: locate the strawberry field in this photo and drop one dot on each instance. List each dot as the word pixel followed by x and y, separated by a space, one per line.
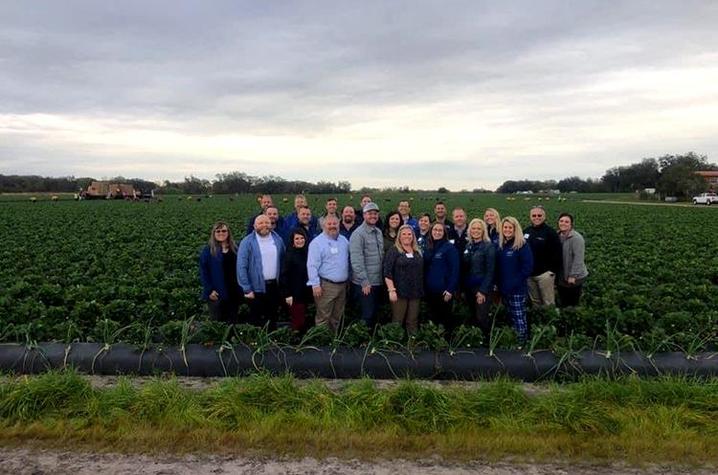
pixel 120 271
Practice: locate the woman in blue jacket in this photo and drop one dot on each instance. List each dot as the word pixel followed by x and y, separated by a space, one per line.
pixel 218 274
pixel 515 263
pixel 441 274
pixel 480 260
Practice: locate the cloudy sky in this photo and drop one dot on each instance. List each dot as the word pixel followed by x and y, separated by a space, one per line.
pixel 462 94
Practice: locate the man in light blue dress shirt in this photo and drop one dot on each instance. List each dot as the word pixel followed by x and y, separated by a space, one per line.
pixel 328 271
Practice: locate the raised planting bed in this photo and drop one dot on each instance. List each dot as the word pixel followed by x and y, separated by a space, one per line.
pixel 347 363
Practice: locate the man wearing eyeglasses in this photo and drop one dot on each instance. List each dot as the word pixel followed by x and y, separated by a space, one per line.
pixel 546 249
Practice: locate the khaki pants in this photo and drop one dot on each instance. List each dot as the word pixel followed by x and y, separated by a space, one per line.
pixel 330 306
pixel 406 310
pixel 541 289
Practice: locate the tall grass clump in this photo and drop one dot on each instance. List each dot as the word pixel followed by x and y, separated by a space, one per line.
pixel 114 405
pixel 166 403
pixel 51 394
pixel 361 406
pixel 481 406
pixel 420 409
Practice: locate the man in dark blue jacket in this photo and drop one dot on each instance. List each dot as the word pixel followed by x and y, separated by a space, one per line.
pixel 265 201
pixel 291 221
pixel 404 210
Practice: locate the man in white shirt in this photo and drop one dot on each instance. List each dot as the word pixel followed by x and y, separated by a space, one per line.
pixel 259 259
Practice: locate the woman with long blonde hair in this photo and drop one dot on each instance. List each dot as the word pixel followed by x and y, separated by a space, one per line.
pixel 480 261
pixel 492 218
pixel 404 277
pixel 515 263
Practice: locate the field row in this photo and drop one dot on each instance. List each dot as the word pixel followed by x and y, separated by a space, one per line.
pixel 69 268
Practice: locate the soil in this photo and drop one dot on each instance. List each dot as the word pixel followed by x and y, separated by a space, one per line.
pixel 21 461
pixel 194 383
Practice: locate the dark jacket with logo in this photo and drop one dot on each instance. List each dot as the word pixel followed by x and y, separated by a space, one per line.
pixel 545 248
pixel 441 268
pixel 514 267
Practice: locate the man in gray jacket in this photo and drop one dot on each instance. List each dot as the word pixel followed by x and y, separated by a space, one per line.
pixel 366 250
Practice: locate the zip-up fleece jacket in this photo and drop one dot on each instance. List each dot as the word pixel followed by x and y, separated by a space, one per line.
pixel 441 268
pixel 366 251
pixel 514 267
pixel 249 263
pixel 545 248
pixel 574 249
pixel 211 273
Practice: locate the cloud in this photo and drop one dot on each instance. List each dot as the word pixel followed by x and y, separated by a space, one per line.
pixel 317 90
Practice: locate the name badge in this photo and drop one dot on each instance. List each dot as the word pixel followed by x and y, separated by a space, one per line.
pixel 526 236
pixel 451 241
pixel 410 255
pixel 334 250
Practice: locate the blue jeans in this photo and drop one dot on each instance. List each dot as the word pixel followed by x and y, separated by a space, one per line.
pixel 368 304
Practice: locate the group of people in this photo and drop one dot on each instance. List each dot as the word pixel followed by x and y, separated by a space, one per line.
pixel 353 256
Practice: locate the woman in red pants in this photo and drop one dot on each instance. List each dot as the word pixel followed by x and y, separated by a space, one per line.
pixel 293 280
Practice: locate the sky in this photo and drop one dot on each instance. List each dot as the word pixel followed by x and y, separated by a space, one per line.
pixel 461 94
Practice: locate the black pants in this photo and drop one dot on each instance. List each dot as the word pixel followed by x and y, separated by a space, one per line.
pixel 264 307
pixel 480 314
pixel 224 310
pixel 441 312
pixel 569 296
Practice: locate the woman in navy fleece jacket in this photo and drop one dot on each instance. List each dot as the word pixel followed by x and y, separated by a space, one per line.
pixel 441 273
pixel 218 274
pixel 515 263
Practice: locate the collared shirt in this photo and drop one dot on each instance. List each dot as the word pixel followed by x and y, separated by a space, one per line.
pixel 268 250
pixel 328 258
pixel 410 221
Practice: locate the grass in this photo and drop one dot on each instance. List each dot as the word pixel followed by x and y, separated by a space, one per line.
pixel 631 420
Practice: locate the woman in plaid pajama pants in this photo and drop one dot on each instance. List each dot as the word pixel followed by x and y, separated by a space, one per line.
pixel 515 263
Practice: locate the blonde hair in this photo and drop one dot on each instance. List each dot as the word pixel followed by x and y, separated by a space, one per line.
pixel 518 233
pixel 484 230
pixel 495 213
pixel 214 245
pixel 414 244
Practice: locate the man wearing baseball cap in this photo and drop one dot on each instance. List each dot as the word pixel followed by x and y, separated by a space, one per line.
pixel 366 250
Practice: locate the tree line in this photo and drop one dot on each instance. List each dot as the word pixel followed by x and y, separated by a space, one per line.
pixel 234 182
pixel 670 175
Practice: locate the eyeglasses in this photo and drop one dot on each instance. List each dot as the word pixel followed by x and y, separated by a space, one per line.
pixel 221 231
pixel 537 215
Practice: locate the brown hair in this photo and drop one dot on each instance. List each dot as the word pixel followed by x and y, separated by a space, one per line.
pixel 214 245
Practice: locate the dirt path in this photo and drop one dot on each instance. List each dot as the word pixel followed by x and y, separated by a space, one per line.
pixel 38 462
pixel 648 203
pixel 199 384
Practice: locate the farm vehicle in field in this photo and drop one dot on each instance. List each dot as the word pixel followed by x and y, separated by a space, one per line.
pixel 705 199
pixel 110 191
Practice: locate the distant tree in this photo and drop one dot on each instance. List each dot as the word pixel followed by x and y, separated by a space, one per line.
pixel 345 187
pixel 442 190
pixel 678 177
pixel 512 186
pixel 580 185
pixel 635 177
pixel 194 185
pixel 232 182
